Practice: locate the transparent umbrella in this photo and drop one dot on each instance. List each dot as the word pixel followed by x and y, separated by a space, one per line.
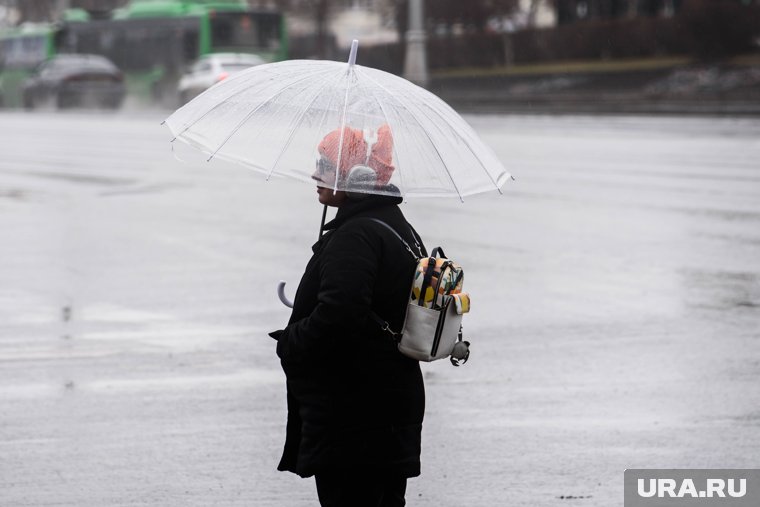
pixel 272 118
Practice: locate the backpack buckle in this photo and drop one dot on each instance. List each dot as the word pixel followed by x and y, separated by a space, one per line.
pixel 394 335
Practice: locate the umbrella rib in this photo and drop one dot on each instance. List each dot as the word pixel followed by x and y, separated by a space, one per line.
pixel 249 115
pixel 342 129
pixel 188 125
pixel 293 132
pixel 385 116
pixel 229 80
pixel 477 157
pixel 414 117
pixel 223 101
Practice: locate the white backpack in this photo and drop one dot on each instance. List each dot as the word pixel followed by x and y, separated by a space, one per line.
pixel 433 323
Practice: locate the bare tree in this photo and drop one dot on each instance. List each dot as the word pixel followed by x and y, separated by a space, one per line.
pixel 320 11
pixel 633 8
pixel 98 8
pixel 532 11
pixel 36 11
pixel 40 11
pixel 474 13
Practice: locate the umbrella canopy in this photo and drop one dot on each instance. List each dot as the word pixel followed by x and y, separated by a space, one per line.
pixel 289 117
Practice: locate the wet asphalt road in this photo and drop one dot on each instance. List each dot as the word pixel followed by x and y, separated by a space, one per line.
pixel 615 322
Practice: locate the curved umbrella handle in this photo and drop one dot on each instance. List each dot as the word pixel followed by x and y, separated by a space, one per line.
pixel 281 294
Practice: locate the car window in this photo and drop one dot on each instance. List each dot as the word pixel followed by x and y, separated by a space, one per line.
pixel 58 63
pixel 65 63
pixel 46 68
pixel 41 67
pixel 235 67
pixel 202 67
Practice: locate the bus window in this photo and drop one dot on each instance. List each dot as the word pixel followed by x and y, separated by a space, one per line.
pixel 23 52
pixel 138 44
pixel 269 31
pixel 190 45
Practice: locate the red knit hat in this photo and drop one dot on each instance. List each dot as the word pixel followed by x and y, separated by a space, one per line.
pixel 354 151
pixel 381 158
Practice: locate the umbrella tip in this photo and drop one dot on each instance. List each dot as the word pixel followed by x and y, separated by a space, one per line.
pixel 352 55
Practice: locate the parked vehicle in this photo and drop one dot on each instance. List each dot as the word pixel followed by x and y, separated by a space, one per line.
pixel 153 42
pixel 69 80
pixel 150 41
pixel 211 69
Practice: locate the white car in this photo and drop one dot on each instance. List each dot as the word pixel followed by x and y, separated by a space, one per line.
pixel 211 69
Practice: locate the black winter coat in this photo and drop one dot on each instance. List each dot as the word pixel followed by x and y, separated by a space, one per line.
pixel 354 401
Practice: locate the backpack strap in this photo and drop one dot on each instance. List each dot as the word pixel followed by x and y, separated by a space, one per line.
pixel 406 245
pixel 428 275
pixel 446 265
pixel 384 326
pixel 421 252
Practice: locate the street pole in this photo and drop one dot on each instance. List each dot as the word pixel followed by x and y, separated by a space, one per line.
pixel 415 63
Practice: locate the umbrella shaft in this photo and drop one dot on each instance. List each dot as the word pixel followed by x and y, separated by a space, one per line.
pixel 322 225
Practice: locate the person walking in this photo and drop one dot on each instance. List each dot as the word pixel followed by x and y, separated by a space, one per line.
pixel 355 403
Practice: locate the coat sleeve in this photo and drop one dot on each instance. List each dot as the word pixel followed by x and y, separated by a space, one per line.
pixel 348 270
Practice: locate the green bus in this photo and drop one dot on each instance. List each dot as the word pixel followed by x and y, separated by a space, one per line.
pixel 151 41
pixel 21 51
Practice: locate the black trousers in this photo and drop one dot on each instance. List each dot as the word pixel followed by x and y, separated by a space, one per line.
pixel 356 488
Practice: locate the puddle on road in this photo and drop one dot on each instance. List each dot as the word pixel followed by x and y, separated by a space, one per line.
pixel 243 379
pixel 147 189
pixel 239 379
pixel 124 186
pixel 82 178
pixel 26 391
pixel 13 194
pixel 722 289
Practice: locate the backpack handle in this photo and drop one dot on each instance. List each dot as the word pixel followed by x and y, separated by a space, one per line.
pixel 438 252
